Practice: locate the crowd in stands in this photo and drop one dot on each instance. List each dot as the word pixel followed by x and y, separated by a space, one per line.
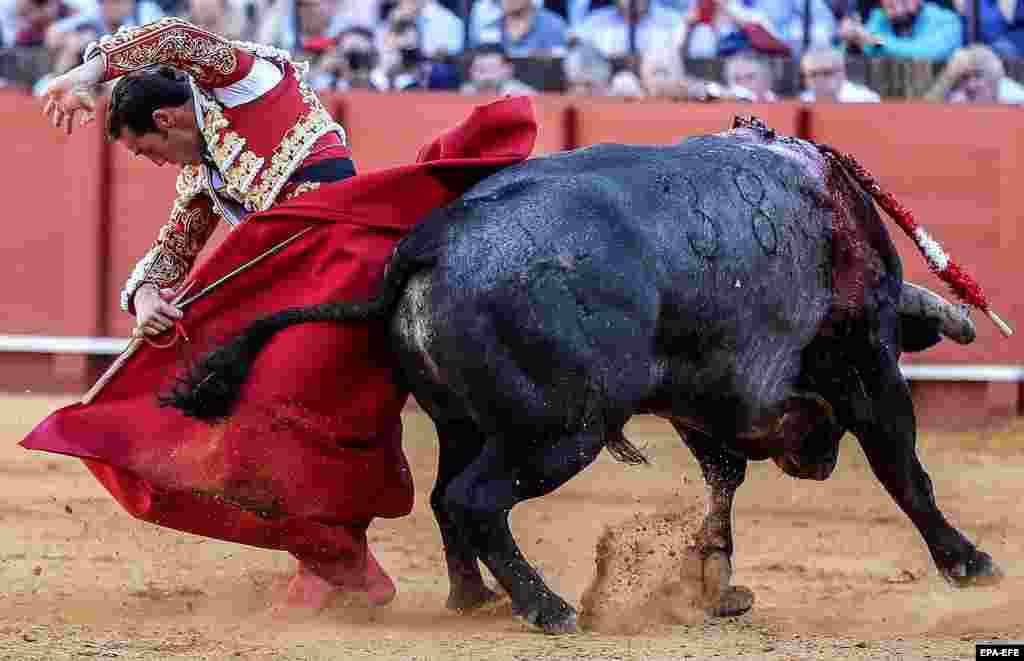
pixel 627 48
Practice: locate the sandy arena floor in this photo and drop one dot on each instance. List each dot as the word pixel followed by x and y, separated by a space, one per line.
pixel 838 571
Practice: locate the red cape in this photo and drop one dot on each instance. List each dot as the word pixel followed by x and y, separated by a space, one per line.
pixel 315 442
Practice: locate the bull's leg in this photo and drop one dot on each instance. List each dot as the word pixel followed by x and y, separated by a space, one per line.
pixel 882 418
pixel 460 443
pixel 482 497
pixel 723 474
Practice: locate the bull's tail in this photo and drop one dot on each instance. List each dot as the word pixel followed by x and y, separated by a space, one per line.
pixel 961 282
pixel 211 388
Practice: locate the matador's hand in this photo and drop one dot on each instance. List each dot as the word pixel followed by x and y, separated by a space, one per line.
pixel 154 312
pixel 70 95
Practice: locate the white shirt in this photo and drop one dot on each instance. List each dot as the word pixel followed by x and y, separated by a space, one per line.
pixel 8 23
pixel 848 93
pixel 607 30
pixel 1010 92
pixel 145 12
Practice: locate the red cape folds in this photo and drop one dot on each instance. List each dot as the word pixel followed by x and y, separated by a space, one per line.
pixel 314 449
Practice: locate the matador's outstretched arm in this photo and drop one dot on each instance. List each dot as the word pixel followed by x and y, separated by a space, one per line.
pixel 210 59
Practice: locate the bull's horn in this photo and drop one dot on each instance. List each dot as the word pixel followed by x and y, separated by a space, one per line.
pixel 953 320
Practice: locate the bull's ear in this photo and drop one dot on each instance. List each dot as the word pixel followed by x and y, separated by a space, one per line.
pixel 918 333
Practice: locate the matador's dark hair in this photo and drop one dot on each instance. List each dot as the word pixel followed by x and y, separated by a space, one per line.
pixel 139 93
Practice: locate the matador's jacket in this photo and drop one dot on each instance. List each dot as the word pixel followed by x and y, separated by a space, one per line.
pixel 312 453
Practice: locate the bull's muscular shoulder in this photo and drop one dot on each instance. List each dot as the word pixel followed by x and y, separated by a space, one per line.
pixel 708 159
pixel 750 207
pixel 734 180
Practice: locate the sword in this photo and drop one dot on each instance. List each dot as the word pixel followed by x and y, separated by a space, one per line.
pixel 182 302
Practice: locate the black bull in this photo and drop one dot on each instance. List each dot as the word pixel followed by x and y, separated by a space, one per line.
pixel 741 285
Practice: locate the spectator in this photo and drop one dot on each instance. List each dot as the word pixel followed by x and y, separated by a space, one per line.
pixel 490 72
pixel 577 10
pixel 975 75
pixel 24 22
pixel 824 70
pixel 608 28
pixel 747 76
pixel 218 16
pixel 1001 24
pixel 720 28
pixel 587 71
pixel 661 74
pixel 520 26
pixel 307 28
pixel 786 18
pixel 171 7
pixel 66 39
pixel 254 13
pixel 353 61
pixel 403 65
pixel 441 31
pixel 626 84
pixel 913 29
pixel 363 13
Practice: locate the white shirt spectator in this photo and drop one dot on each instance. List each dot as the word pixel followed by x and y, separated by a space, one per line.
pixel 278 28
pixel 8 18
pixel 849 93
pixel 91 16
pixel 626 85
pixel 485 12
pixel 365 13
pixel 440 30
pixel 608 31
pixel 578 10
pixel 1010 92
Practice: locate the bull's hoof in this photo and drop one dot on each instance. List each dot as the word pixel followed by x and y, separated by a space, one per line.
pixel 557 619
pixel 736 600
pixel 469 600
pixel 980 570
pixel 712 574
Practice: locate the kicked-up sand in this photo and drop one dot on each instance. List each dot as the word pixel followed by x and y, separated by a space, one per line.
pixel 838 572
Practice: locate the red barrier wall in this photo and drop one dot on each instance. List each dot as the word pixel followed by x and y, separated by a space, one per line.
pixel 385 130
pixel 51 227
pixel 49 272
pixel 660 123
pixel 956 170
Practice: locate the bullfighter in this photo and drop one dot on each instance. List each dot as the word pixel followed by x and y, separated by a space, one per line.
pixel 315 453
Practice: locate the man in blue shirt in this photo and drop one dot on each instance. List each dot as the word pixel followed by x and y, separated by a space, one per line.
pixel 520 26
pixel 912 29
pixel 1001 24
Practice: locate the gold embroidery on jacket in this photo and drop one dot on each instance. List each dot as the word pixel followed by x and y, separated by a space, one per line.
pixel 189 183
pixel 172 41
pixel 304 187
pixel 295 147
pixel 247 180
pixel 179 241
pixel 224 145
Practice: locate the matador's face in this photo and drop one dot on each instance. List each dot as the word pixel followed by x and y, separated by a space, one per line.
pixel 177 139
